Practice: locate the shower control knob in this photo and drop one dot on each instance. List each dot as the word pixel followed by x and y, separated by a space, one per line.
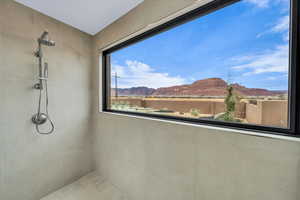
pixel 39 118
pixel 37 86
pixel 37 54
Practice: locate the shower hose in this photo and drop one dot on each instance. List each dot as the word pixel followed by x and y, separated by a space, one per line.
pixel 47 113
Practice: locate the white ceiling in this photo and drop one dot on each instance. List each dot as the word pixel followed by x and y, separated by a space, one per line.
pixel 89 16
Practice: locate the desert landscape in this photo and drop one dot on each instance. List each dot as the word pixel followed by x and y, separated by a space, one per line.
pixel 211 99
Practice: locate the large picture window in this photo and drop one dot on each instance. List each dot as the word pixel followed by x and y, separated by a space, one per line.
pixel 228 63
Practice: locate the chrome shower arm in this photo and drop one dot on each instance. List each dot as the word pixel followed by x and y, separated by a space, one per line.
pixel 45 33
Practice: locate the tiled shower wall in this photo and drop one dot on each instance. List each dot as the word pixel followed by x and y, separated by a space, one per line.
pixel 33 165
pixel 160 160
pixel 145 159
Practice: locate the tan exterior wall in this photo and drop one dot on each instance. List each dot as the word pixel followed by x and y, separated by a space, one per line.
pixel 240 110
pixel 254 113
pixel 269 113
pixel 131 101
pixel 205 107
pixel 275 113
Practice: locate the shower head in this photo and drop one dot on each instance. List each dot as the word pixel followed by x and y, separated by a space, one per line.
pixel 49 43
pixel 44 39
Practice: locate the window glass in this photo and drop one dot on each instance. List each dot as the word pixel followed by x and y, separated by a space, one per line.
pixel 230 65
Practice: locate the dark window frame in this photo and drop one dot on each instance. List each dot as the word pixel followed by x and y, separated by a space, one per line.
pixel 294 87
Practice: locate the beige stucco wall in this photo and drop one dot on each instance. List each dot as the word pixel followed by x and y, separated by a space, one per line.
pixel 210 106
pixel 153 160
pixel 32 165
pixel 269 113
pixel 254 113
pixel 275 113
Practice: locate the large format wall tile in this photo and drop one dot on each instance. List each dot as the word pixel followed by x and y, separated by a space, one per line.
pixel 167 160
pixel 33 165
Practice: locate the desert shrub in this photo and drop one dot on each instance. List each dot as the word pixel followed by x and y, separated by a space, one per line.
pixel 230 102
pixel 282 97
pixel 227 117
pixel 126 103
pixel 115 105
pixel 195 112
pixel 120 105
pixel 165 110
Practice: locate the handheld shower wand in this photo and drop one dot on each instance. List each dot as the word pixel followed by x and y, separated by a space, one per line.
pixel 41 118
pixel 43 40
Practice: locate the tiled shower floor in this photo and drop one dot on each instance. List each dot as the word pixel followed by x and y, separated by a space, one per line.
pixel 89 187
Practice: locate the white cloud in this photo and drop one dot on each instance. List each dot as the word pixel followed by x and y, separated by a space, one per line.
pixel 271 61
pixel 282 25
pixel 260 3
pixel 275 60
pixel 266 3
pixel 272 78
pixel 242 58
pixel 136 74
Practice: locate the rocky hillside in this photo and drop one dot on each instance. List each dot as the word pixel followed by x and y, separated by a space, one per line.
pixel 134 91
pixel 206 87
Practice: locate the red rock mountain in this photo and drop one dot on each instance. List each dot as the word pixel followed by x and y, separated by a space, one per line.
pixel 205 87
pixel 134 91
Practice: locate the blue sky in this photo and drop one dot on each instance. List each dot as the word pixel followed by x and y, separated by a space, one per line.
pixel 244 43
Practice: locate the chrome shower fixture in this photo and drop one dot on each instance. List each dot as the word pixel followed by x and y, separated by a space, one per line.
pixel 41 118
pixel 47 43
pixel 43 40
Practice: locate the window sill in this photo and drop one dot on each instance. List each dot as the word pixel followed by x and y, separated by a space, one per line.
pixel 232 130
